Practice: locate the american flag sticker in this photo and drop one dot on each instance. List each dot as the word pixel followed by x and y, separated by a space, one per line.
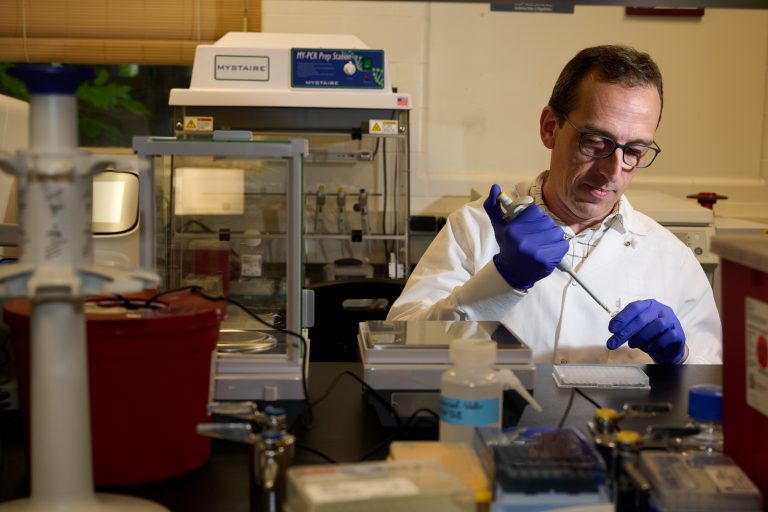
pixel 402 101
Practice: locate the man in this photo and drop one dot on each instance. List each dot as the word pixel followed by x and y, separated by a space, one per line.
pixel 600 125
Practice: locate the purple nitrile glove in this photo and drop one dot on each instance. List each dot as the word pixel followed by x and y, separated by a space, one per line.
pixel 531 244
pixel 650 326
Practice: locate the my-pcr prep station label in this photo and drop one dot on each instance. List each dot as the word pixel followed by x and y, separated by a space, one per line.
pixel 344 69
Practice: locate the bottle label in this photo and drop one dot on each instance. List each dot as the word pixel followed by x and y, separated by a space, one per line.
pixel 469 412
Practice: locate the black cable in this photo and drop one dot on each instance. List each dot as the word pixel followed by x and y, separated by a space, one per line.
pixel 570 403
pixel 4 350
pixel 375 149
pixel 130 304
pixel 395 195
pixel 331 386
pixel 403 428
pixel 594 402
pixel 121 298
pixel 205 228
pixel 316 452
pixel 384 207
pixel 381 399
pixel 567 408
pixel 308 424
pixel 588 399
pixel 148 302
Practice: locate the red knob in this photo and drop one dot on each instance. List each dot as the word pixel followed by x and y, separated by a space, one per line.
pixel 706 199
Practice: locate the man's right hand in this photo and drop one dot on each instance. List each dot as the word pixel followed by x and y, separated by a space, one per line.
pixel 531 245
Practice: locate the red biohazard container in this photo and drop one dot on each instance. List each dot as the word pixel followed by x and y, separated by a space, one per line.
pixel 744 267
pixel 149 372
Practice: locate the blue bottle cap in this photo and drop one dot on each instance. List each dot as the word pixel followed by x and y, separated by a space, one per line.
pixel 50 79
pixel 270 435
pixel 705 402
pixel 271 410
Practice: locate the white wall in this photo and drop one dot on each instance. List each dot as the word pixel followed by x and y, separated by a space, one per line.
pixel 479 80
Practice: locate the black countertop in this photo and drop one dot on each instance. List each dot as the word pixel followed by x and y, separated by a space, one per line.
pixel 346 429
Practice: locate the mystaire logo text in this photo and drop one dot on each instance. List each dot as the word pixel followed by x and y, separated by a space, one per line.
pixel 242 67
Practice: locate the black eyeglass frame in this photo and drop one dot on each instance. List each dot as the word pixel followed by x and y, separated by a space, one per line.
pixel 656 150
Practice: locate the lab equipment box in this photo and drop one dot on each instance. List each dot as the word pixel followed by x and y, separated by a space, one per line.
pixel 336 93
pixel 405 486
pixel 745 351
pixel 218 205
pixel 288 165
pixel 698 481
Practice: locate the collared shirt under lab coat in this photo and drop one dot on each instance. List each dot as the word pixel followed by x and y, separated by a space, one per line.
pixel 636 259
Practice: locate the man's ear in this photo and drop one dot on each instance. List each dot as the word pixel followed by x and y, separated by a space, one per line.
pixel 548 123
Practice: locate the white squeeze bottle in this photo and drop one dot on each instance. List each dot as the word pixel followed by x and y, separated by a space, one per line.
pixel 471 391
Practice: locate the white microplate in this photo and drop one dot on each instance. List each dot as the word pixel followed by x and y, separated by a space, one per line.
pixel 600 376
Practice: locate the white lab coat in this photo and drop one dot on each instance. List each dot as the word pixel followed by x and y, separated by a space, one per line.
pixel 636 259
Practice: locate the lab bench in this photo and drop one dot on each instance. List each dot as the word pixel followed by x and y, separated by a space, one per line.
pixel 345 428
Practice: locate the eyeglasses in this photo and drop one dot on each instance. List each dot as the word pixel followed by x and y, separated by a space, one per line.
pixel 595 145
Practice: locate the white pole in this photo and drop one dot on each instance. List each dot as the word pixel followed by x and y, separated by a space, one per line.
pixel 55 207
pixel 61 430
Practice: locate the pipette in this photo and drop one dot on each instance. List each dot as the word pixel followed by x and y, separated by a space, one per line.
pixel 319 219
pixel 565 267
pixel 365 226
pixel 319 204
pixel 514 208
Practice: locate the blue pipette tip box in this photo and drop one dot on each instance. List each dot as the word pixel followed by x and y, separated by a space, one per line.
pixel 537 469
pixel 601 376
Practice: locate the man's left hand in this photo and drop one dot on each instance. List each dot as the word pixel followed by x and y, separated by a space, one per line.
pixel 652 327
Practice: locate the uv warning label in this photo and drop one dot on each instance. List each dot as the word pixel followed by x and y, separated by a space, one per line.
pixel 382 127
pixel 198 124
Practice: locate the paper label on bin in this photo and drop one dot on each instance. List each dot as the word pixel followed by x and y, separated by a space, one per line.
pixel 730 480
pixel 329 492
pixel 757 354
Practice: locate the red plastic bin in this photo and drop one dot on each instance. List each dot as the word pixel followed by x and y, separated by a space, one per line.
pixel 744 270
pixel 149 373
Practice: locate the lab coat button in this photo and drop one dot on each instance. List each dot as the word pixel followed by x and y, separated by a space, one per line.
pixel 627 243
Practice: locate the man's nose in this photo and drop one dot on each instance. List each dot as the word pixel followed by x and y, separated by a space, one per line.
pixel 614 163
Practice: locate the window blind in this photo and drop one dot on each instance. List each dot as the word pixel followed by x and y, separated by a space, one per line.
pixel 149 32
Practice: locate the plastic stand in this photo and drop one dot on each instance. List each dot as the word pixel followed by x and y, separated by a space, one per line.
pixel 56 272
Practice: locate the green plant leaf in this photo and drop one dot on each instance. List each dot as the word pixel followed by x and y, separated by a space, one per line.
pixel 134 106
pixel 11 86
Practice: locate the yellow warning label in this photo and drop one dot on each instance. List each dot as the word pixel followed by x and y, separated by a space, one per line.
pixel 198 124
pixel 382 127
